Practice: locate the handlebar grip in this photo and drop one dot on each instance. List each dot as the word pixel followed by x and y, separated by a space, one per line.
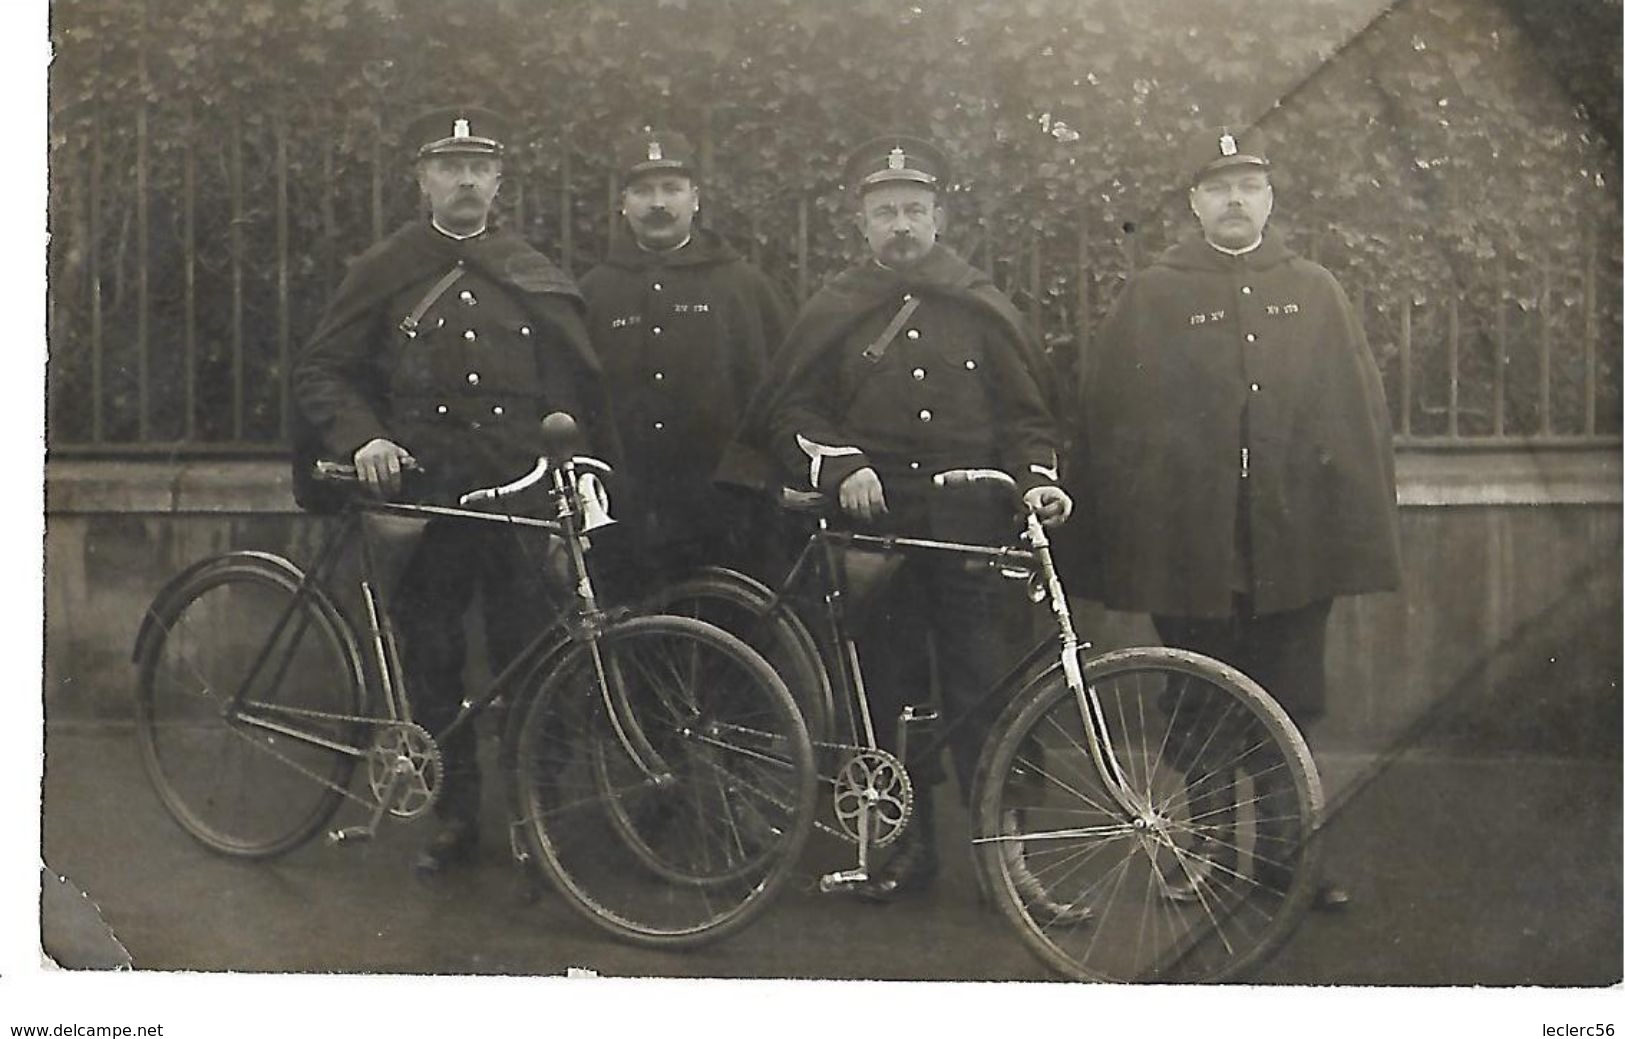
pixel 329 471
pixel 967 477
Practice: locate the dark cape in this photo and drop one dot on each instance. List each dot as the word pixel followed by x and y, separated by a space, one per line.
pixel 833 312
pixel 416 251
pixel 1177 386
pixel 335 417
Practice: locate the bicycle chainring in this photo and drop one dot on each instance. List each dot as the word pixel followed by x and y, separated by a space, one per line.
pixel 408 750
pixel 873 781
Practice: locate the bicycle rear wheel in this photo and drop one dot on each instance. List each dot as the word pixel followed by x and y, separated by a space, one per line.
pixel 744 607
pixel 694 849
pixel 1200 886
pixel 239 788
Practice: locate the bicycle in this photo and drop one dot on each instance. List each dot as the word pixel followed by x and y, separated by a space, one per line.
pixel 656 769
pixel 1146 814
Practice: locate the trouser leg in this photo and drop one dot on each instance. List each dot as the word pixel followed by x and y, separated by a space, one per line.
pixel 973 623
pixel 431 600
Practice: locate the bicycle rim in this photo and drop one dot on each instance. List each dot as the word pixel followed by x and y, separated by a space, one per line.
pixel 1202 886
pixel 239 789
pixel 695 852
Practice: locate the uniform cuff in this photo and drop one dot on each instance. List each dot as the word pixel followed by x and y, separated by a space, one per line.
pixel 349 435
pixel 1036 474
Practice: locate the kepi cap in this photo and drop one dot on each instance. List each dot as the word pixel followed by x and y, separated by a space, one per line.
pixel 649 150
pixel 893 159
pixel 458 130
pixel 1219 149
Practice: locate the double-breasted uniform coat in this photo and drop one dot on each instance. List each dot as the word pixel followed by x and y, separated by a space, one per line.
pixel 463 391
pixel 684 337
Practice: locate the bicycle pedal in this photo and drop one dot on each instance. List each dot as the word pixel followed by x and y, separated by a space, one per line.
pixel 350 835
pixel 842 880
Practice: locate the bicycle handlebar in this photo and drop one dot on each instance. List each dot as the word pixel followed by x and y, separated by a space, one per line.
pixel 530 479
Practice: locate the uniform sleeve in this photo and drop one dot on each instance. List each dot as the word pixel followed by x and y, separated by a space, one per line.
pixel 336 378
pixel 806 437
pixel 1027 437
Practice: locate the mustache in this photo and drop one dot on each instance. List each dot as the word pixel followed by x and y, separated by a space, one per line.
pixel 659 217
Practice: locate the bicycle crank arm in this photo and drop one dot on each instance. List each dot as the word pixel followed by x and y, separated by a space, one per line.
pixel 367 830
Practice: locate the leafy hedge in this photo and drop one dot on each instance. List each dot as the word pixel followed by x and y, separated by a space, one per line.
pixel 1426 151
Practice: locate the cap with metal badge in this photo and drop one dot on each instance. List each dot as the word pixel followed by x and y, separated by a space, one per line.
pixel 896 159
pixel 1220 149
pixel 458 130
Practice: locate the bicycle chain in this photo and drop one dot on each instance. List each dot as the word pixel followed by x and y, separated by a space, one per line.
pixel 847 749
pixel 310 712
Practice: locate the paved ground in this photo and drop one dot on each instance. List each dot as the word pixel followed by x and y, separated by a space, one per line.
pixel 1465 870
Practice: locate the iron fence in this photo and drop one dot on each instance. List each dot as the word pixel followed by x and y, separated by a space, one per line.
pixel 173 314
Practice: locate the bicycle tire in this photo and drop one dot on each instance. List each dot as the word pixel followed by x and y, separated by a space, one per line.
pixel 229 785
pixel 695 857
pixel 1202 887
pixel 745 608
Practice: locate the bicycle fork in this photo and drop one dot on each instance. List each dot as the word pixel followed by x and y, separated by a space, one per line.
pixel 1136 808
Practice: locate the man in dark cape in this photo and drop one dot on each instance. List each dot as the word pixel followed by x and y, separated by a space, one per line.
pixel 432 369
pixel 1236 464
pixel 909 365
pixel 684 327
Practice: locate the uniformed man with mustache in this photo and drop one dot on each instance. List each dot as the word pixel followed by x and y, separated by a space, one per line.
pixel 431 370
pixel 684 326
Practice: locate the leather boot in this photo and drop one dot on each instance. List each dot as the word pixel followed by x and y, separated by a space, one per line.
pixel 456 843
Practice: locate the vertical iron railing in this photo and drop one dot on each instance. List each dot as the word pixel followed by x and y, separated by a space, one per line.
pixel 189 274
pixel 238 366
pixel 98 384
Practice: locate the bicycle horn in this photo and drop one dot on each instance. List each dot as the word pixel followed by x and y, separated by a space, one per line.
pixel 594 503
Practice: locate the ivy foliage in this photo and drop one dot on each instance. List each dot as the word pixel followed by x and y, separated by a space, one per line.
pixel 1430 151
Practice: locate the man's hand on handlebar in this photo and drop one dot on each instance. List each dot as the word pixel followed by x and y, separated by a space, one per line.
pixel 1051 505
pixel 378 464
pixel 862 496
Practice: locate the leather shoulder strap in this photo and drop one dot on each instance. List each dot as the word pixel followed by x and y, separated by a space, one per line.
pixel 409 323
pixel 877 349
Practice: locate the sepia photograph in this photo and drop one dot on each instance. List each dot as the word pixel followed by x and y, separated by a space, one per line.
pixel 1091 493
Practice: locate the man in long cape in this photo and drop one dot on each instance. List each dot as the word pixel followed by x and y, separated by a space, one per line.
pixel 441 352
pixel 910 365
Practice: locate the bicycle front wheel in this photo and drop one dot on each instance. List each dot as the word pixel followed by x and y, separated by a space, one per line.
pixel 671 810
pixel 239 787
pixel 1211 870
